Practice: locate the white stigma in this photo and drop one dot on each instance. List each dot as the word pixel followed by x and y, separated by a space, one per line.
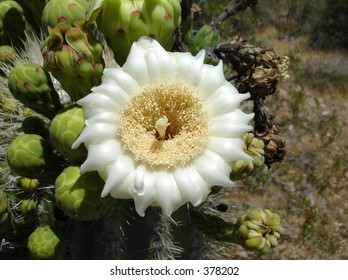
pixel 161 127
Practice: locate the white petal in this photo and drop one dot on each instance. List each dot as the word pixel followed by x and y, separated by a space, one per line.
pixel 225 99
pixel 168 196
pixel 235 117
pixel 96 133
pixel 101 155
pixel 99 100
pixel 230 149
pixel 189 68
pixel 125 187
pixel 212 77
pixel 119 77
pixel 139 179
pixel 115 92
pixel 189 184
pixel 213 169
pixel 229 130
pixel 89 112
pixel 116 174
pixel 104 117
pixel 136 65
pixel 161 66
pixel 147 198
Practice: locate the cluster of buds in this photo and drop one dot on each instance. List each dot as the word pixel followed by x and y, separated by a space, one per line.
pixel 259 230
pixel 74 58
pixel 254 147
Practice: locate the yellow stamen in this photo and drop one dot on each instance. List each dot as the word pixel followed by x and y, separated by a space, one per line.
pixel 143 125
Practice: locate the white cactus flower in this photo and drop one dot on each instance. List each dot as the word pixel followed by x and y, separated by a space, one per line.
pixel 163 129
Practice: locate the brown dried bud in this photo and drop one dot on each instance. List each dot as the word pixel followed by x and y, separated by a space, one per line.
pixel 258 70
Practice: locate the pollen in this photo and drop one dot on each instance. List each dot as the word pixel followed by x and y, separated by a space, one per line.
pixel 186 131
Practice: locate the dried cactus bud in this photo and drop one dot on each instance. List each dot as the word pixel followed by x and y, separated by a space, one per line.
pixel 66 11
pixel 12 24
pixel 64 130
pixel 74 58
pixel 258 229
pixel 243 168
pixel 124 22
pixel 43 243
pixel 29 185
pixel 28 206
pixel 78 196
pixel 32 85
pixel 35 125
pixel 25 156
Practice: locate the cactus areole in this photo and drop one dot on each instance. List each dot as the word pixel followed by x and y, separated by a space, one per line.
pixel 163 129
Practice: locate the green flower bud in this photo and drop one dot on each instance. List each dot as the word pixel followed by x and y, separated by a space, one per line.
pixel 78 196
pixel 124 22
pixel 25 156
pixel 64 130
pixel 74 58
pixel 29 185
pixel 43 243
pixel 206 37
pixel 244 168
pixel 28 206
pixel 258 230
pixel 64 11
pixel 32 85
pixel 7 54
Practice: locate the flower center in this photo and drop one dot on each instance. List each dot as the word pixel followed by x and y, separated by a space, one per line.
pixel 164 125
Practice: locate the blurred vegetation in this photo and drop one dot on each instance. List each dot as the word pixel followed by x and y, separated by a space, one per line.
pixel 309 188
pixel 325 21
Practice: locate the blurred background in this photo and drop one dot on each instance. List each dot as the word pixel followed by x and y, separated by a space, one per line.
pixel 309 188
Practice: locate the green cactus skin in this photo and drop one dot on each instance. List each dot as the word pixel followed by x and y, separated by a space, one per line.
pixel 259 230
pixel 12 24
pixel 64 11
pixel 43 243
pixel 31 84
pixel 244 168
pixel 35 125
pixel 4 214
pixel 213 225
pixel 25 156
pixel 33 12
pixel 3 203
pixel 78 196
pixel 74 58
pixel 66 126
pixel 125 21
